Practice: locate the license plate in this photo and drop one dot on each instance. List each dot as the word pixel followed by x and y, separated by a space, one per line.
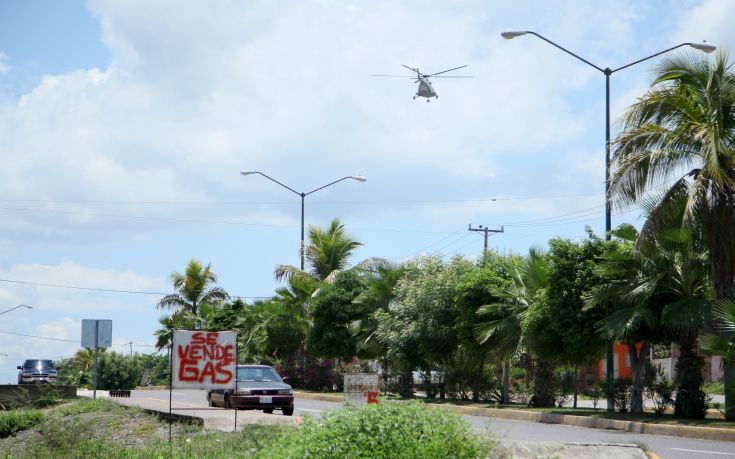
pixel 266 399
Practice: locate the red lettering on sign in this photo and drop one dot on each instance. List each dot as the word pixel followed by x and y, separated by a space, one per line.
pixel 225 375
pixel 204 360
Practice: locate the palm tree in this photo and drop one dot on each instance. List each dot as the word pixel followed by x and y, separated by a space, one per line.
pixel 505 326
pixel 327 253
pixel 379 294
pixel 195 291
pixel 716 345
pixel 686 123
pixel 658 293
pixel 165 334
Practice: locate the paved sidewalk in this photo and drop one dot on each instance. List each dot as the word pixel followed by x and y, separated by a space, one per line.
pixel 534 450
pixel 213 418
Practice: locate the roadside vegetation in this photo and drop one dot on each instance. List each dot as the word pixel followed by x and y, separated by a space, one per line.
pixel 103 429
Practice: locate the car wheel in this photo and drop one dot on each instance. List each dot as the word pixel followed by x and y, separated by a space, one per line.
pixel 228 405
pixel 267 410
pixel 288 411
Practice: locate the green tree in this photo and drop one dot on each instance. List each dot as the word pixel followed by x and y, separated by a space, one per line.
pixel 711 344
pixel 195 292
pixel 116 371
pixel 165 335
pixel 417 329
pixel 328 252
pixel 658 292
pixel 502 317
pixel 334 310
pixel 381 278
pixel 686 121
pixel 558 327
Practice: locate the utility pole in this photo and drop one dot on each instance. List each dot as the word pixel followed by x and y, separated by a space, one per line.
pixel 487 231
pixel 131 349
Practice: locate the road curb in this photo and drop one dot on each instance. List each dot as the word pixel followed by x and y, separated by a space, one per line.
pixel 174 417
pixel 320 397
pixel 702 433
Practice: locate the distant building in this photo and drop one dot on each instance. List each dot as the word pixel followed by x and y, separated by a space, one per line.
pixel 621 361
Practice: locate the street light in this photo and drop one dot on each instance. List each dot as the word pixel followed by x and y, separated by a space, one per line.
pixel 359 178
pixel 19 306
pixel 509 35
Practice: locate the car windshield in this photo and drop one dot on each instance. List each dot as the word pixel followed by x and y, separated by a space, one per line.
pixel 39 364
pixel 257 374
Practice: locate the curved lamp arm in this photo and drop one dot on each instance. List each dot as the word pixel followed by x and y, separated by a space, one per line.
pixel 19 306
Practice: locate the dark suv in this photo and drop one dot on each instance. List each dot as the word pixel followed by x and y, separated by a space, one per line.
pixel 258 387
pixel 37 370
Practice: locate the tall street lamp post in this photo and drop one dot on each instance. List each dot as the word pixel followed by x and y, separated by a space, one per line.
pixel 303 195
pixel 19 306
pixel 607 72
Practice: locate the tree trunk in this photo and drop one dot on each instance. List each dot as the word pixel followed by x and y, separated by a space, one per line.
pixel 505 395
pixel 477 380
pixel 543 384
pixel 691 401
pixel 576 385
pixel 637 362
pixel 527 365
pixel 405 384
pixel 428 385
pixel 720 230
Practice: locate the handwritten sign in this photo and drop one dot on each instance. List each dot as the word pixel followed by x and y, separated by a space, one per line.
pixel 204 359
pixel 361 388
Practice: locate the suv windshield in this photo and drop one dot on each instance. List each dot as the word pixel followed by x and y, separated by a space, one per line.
pixel 30 364
pixel 257 374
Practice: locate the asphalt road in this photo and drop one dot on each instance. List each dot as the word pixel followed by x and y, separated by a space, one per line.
pixel 194 402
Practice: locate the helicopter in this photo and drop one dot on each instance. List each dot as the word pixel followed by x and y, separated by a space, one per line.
pixel 425 88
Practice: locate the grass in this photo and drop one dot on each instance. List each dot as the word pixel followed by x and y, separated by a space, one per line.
pixel 714 388
pixel 103 429
pixel 714 419
pixel 87 429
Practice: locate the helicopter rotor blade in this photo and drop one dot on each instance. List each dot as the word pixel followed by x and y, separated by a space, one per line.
pixel 445 71
pixel 451 76
pixel 411 68
pixel 394 76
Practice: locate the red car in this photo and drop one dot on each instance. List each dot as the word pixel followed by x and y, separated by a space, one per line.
pixel 258 387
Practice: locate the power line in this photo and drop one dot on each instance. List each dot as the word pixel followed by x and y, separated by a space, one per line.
pixel 108 290
pixel 486 231
pixel 432 244
pixel 464 246
pixel 69 340
pixel 316 201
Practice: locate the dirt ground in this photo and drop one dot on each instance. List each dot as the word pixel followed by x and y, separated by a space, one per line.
pixel 131 427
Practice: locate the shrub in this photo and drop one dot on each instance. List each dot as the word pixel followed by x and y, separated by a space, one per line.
pixel 595 392
pixel 619 390
pixel 521 392
pixel 462 377
pixel 15 421
pixel 565 377
pixel 386 430
pixel 658 389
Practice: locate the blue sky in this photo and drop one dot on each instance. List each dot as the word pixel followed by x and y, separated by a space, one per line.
pixel 124 125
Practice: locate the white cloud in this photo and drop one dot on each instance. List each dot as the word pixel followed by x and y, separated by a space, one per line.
pixel 215 88
pixel 4 66
pixel 710 21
